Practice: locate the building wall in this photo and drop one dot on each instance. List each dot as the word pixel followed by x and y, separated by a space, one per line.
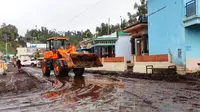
pixel 123 47
pixel 192 35
pixel 21 51
pixel 166 31
pixel 38 46
pixel 198 7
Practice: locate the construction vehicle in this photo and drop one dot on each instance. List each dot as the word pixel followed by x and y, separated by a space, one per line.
pixel 59 58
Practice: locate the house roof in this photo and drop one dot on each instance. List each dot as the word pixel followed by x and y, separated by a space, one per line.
pixel 113 36
pixel 137 29
pixel 105 44
pixel 134 25
pixel 122 34
pixel 108 38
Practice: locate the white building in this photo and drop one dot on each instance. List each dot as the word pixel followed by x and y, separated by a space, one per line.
pixel 23 54
pixel 123 46
pixel 26 53
pixel 38 46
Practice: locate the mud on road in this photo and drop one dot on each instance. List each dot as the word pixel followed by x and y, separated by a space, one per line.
pixel 97 93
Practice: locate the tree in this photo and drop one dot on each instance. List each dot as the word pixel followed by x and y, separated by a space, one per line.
pixel 37 54
pixel 124 24
pixel 103 29
pixel 132 18
pixel 9 31
pixel 141 9
pixel 87 34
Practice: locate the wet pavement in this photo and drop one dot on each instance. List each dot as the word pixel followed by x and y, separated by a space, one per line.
pixel 96 93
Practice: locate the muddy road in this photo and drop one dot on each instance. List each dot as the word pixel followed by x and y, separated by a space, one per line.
pixel 96 93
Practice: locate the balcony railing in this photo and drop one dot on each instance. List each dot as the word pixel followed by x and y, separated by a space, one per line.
pixel 191 8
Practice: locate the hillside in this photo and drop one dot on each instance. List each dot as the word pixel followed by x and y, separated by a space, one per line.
pixel 11 47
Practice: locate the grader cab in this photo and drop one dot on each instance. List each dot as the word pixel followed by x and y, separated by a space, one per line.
pixel 60 58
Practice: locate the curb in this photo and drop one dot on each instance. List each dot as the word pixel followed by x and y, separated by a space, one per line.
pixel 168 78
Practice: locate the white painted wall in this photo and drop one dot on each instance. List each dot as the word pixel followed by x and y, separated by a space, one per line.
pixel 119 67
pixel 21 51
pixel 123 47
pixel 23 54
pixel 191 65
pixel 140 67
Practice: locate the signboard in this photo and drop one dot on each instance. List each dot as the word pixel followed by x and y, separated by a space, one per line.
pixel 89 46
pixel 31 50
pixel 33 46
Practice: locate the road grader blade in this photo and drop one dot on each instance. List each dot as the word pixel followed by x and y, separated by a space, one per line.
pixel 85 60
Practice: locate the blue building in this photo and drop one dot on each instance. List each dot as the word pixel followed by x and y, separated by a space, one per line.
pixel 174 28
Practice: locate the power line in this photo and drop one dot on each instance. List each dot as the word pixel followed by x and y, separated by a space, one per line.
pixel 157 11
pixel 84 11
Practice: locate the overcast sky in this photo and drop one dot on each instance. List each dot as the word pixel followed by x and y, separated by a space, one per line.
pixel 63 15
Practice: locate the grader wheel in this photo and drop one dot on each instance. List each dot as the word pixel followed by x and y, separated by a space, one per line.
pixel 78 71
pixel 59 69
pixel 46 69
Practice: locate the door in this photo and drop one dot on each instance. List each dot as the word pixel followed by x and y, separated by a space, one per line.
pixel 110 51
pixel 139 53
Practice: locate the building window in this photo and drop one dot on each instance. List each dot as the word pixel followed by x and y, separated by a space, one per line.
pixel 179 53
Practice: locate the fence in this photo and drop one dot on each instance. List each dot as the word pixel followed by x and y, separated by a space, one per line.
pixel 112 59
pixel 152 58
pixel 111 64
pixel 3 67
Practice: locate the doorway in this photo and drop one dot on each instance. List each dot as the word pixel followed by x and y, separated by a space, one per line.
pixel 139 51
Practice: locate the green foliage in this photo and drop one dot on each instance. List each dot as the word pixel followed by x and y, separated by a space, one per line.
pixel 42 34
pixel 10 48
pixel 141 9
pixel 37 54
pixel 132 18
pixel 9 31
pixel 87 34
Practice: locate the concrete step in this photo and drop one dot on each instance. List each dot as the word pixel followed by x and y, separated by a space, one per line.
pixel 181 69
pixel 129 67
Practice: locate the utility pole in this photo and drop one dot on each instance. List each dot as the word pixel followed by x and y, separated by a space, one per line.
pixel 108 25
pixel 121 22
pixel 6 46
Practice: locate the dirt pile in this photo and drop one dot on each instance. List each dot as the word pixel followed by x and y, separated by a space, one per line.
pixel 21 83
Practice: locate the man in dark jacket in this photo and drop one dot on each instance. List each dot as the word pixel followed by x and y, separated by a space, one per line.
pixel 19 65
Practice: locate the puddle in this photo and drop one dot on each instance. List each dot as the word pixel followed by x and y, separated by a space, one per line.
pixel 78 89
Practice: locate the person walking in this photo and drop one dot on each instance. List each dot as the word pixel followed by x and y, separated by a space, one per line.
pixel 19 65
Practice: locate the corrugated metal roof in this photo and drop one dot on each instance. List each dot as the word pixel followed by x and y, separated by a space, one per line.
pixel 108 38
pixel 123 34
pixel 110 44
